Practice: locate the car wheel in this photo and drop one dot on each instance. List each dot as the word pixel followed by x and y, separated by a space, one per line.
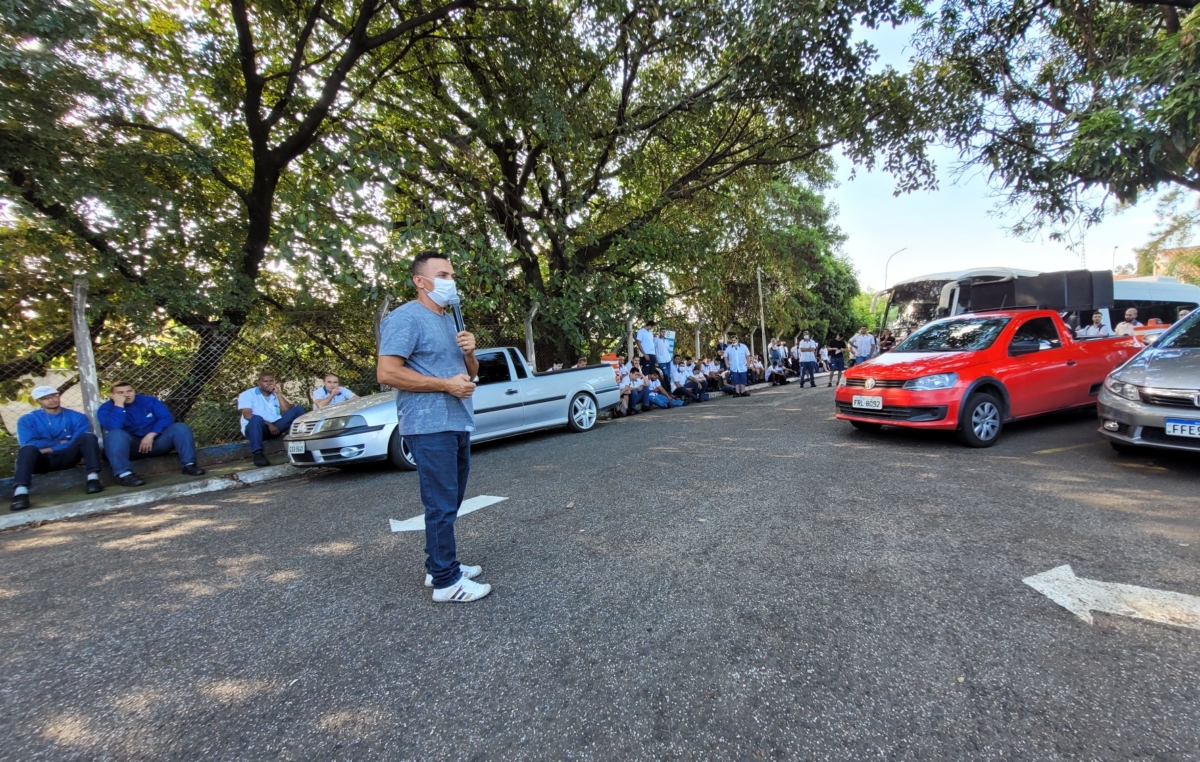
pixel 981 421
pixel 582 413
pixel 399 452
pixel 1124 449
pixel 864 426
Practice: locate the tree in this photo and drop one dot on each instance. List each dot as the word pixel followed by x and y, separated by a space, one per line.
pixel 161 138
pixel 568 150
pixel 1065 102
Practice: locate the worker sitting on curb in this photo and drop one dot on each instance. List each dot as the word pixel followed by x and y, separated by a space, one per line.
pixel 266 414
pixel 53 438
pixel 139 426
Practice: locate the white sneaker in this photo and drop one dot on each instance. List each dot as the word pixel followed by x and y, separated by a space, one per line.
pixel 462 591
pixel 470 572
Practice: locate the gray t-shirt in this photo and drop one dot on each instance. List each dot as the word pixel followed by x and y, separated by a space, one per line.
pixel 426 342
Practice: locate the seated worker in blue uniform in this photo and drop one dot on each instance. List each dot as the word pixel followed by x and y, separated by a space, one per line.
pixel 53 438
pixel 139 426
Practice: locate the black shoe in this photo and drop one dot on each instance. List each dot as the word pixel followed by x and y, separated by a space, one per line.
pixel 191 469
pixel 260 460
pixel 93 486
pixel 745 394
pixel 131 480
pixel 20 502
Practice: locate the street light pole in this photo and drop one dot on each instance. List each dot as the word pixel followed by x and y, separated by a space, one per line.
pixel 889 262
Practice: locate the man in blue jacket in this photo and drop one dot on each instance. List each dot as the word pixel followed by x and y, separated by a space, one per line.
pixel 53 439
pixel 138 426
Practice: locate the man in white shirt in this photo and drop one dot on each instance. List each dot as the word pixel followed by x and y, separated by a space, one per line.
pixel 680 375
pixel 331 392
pixel 645 341
pixel 777 374
pixel 633 393
pixel 1097 328
pixel 657 394
pixel 862 347
pixel 662 354
pixel 712 373
pixel 1125 327
pixel 697 381
pixel 266 414
pixel 737 356
pixel 808 360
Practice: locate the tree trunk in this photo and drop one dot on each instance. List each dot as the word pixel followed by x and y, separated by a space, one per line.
pixel 215 341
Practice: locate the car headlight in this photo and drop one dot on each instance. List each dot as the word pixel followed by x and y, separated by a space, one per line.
pixel 929 383
pixel 841 380
pixel 337 424
pixel 1122 389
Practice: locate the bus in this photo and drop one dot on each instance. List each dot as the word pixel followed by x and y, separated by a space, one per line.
pixel 912 303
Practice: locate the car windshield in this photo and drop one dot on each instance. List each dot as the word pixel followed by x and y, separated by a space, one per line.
pixel 963 335
pixel 1185 336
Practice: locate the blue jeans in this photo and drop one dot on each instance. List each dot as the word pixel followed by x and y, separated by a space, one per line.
pixel 638 398
pixel 257 431
pixel 443 466
pixel 808 369
pixel 31 460
pixel 660 400
pixel 120 447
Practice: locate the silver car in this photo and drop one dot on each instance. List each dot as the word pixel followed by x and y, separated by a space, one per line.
pixel 509 399
pixel 1153 400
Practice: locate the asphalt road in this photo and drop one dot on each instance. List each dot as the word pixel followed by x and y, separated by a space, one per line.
pixel 736 580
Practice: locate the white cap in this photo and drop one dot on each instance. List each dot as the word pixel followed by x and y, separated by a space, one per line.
pixel 43 391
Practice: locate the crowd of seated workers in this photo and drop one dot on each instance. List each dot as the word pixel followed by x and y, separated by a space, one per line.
pixel 137 426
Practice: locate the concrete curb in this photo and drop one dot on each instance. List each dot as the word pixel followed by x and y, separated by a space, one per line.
pixel 142 497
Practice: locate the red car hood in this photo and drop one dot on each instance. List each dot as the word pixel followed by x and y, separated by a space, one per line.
pixel 906 365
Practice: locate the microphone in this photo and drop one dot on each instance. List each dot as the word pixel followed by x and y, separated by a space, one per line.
pixel 456 308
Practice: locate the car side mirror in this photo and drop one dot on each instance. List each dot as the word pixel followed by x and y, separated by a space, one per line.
pixel 1024 347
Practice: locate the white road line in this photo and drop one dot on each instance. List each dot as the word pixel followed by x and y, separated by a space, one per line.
pixel 1083 596
pixel 470 505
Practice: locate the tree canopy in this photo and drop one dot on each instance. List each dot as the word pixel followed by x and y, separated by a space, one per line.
pixel 1067 102
pixel 200 159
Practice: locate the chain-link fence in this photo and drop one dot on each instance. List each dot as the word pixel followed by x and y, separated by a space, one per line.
pixel 199 374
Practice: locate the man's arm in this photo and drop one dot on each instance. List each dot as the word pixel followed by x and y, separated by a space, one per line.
pixel 393 372
pixel 28 434
pixel 466 342
pixel 284 404
pixel 162 416
pixel 321 402
pixel 111 416
pixel 79 425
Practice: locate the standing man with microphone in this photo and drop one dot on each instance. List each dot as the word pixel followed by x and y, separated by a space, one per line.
pixel 430 361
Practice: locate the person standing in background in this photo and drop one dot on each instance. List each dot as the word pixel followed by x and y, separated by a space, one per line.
pixel 862 346
pixel 808 360
pixel 736 357
pixel 645 342
pixel 837 358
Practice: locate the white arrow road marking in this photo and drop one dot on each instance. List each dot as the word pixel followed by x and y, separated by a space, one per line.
pixel 1083 596
pixel 470 505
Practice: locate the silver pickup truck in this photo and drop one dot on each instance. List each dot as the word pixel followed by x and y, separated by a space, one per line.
pixel 510 398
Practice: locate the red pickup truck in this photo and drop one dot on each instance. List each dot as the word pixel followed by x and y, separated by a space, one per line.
pixel 972 373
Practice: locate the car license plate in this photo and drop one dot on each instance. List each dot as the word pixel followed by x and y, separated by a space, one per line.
pixel 864 402
pixel 1181 427
pixel 295 448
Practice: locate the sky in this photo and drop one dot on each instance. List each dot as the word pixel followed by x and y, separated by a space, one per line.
pixel 957 226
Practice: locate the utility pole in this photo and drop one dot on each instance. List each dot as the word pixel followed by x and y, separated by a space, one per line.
pixel 762 320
